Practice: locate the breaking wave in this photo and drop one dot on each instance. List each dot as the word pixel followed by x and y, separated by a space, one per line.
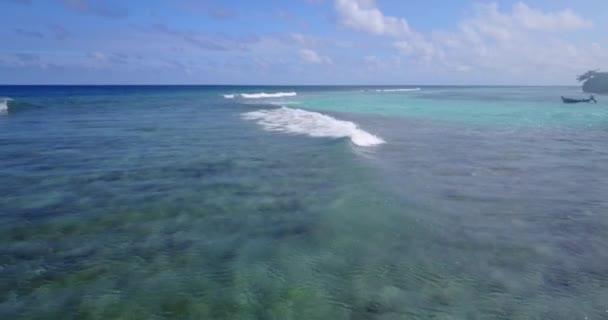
pixel 4 104
pixel 313 124
pixel 262 95
pixel 398 90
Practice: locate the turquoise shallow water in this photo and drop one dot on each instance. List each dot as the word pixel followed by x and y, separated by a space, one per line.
pixel 491 106
pixel 346 203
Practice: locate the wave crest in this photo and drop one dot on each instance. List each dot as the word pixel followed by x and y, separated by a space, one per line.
pixel 313 124
pixel 4 104
pixel 262 95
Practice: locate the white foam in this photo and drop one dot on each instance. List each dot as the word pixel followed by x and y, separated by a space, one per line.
pixel 310 123
pixel 4 104
pixel 398 90
pixel 262 95
pixel 229 96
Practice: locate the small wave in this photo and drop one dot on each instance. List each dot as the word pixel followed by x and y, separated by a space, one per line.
pixel 399 90
pixel 313 124
pixel 4 104
pixel 262 95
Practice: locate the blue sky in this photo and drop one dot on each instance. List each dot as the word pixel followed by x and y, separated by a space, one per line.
pixel 301 41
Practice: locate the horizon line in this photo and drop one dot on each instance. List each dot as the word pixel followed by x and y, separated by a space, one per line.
pixel 289 85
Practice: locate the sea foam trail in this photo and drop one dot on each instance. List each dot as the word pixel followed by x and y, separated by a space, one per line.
pixel 229 96
pixel 262 95
pixel 4 104
pixel 399 90
pixel 313 124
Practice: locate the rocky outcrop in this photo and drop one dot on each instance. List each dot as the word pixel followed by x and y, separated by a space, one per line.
pixel 594 82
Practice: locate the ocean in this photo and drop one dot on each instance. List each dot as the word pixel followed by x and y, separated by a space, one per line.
pixel 243 202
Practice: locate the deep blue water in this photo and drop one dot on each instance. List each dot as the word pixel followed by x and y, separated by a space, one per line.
pixel 150 202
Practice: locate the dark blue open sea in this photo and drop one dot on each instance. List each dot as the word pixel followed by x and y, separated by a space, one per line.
pixel 212 202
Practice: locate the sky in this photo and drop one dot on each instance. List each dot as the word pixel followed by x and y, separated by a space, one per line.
pixel 291 42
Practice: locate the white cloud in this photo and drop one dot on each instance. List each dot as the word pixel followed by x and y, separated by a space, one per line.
pixel 311 56
pixel 362 15
pixel 489 23
pixel 522 39
pixel 417 47
pixel 499 43
pixel 565 20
